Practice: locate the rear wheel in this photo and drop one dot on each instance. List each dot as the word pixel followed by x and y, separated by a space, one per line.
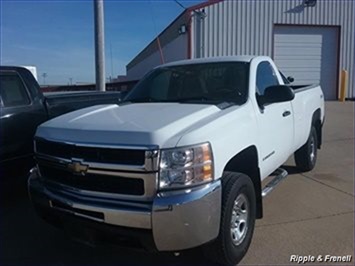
pixel 306 156
pixel 237 220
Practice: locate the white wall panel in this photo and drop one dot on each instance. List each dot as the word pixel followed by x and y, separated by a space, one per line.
pixel 238 27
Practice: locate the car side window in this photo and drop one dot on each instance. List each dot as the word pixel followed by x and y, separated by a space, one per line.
pixel 265 77
pixel 12 90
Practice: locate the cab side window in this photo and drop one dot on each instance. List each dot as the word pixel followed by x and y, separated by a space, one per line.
pixel 265 77
pixel 12 90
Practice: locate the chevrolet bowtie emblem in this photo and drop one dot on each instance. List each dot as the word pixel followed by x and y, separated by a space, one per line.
pixel 78 168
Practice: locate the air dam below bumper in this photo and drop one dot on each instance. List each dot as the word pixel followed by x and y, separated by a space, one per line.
pixel 177 220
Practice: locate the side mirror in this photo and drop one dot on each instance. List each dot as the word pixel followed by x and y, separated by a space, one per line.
pixel 277 94
pixel 290 79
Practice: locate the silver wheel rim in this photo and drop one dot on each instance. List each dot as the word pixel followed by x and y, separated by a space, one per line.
pixel 239 220
pixel 312 155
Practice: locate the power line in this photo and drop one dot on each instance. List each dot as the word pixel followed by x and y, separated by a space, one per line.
pixel 181 5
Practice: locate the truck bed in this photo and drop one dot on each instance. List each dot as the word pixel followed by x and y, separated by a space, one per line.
pixel 20 119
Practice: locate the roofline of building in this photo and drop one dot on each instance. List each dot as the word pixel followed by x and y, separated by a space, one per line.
pixel 204 4
pixel 155 39
pixel 187 11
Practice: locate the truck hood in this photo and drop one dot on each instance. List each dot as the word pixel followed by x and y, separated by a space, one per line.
pixel 141 124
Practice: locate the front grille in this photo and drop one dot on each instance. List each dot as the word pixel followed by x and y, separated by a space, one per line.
pixel 93 182
pixel 91 154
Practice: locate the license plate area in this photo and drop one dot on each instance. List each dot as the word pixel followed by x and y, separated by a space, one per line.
pixel 98 216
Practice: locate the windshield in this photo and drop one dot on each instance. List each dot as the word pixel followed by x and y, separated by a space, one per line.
pixel 212 83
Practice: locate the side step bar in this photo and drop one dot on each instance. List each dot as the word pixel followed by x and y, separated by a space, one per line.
pixel 281 174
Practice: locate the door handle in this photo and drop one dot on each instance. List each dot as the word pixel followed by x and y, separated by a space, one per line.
pixel 286 113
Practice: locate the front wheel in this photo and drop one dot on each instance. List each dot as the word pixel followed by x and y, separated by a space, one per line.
pixel 237 220
pixel 306 156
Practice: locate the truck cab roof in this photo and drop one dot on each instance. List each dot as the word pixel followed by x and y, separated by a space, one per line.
pixel 218 59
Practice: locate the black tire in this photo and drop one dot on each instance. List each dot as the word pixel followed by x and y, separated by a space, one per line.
pixel 227 249
pixel 306 156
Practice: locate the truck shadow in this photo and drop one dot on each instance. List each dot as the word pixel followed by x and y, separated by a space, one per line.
pixel 291 170
pixel 31 241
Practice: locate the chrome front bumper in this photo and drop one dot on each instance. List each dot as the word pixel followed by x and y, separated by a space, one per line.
pixel 178 219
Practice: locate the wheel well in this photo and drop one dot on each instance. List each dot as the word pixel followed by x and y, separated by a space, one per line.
pixel 316 122
pixel 246 162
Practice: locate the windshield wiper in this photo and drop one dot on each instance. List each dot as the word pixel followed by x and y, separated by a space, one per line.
pixel 225 105
pixel 142 100
pixel 198 99
pixel 194 99
pixel 220 104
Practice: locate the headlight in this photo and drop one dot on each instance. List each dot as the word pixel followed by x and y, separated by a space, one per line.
pixel 183 167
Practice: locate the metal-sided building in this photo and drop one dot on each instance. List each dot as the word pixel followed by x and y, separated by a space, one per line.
pixel 311 40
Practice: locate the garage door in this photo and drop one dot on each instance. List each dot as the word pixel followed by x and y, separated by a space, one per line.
pixel 309 54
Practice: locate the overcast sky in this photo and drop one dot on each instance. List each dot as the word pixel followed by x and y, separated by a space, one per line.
pixel 58 36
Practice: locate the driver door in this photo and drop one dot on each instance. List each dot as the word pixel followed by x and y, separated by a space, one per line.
pixel 275 123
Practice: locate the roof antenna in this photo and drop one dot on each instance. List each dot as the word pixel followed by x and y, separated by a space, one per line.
pixel 158 40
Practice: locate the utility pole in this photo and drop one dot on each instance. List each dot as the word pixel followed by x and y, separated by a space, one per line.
pixel 99 45
pixel 44 75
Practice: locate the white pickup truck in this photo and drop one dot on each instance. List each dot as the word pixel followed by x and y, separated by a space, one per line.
pixel 180 162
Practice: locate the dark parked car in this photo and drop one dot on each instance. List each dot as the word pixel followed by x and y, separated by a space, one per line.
pixel 23 107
